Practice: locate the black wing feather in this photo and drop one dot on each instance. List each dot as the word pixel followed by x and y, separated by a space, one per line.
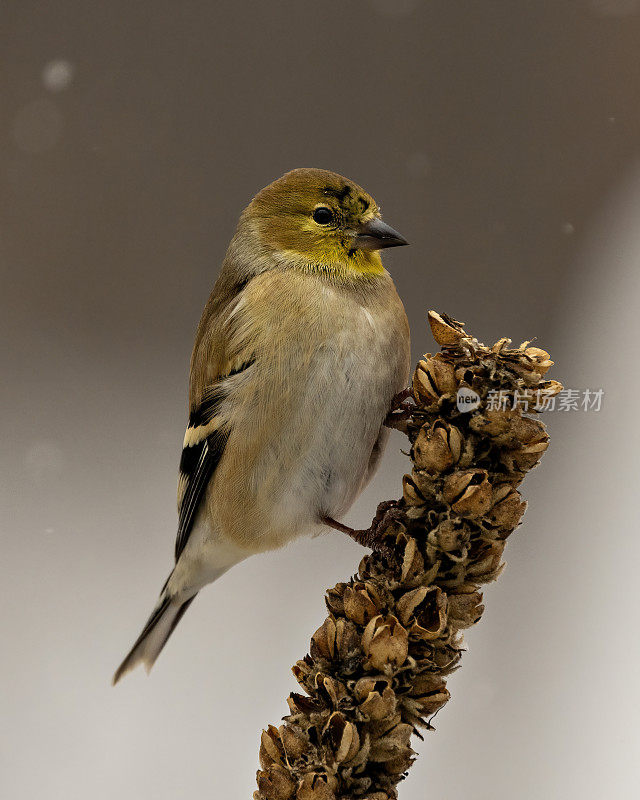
pixel 197 464
pixel 200 459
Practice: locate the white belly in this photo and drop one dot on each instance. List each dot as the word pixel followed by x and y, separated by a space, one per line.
pixel 347 397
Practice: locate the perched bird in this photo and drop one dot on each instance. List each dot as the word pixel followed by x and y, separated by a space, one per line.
pixel 299 354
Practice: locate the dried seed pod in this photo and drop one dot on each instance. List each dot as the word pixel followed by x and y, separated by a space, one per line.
pixel 492 422
pixel 468 492
pixel 385 642
pixel 408 603
pixel 393 744
pixel 412 562
pixel 323 641
pixel 453 437
pixel 465 606
pixel 350 744
pixel 271 748
pixel 343 736
pixel 449 535
pixel 525 458
pixel 368 684
pixel 334 599
pixel 540 359
pixel 510 430
pixel 548 389
pixel 379 728
pixel 431 452
pixel 489 567
pixel 425 705
pixel 500 345
pixel 446 659
pixel 293 741
pixel 507 509
pixel 276 783
pixel 423 612
pixel 330 689
pixel 299 704
pixel 437 447
pixel 359 605
pixel 315 786
pixel 423 389
pixel 410 493
pixel 362 756
pixel 442 375
pixel 446 331
pixel 379 704
pixel 426 683
pixel 303 673
pixel 456 485
pixel 527 431
pixel 396 767
pixel 434 376
pixel 427 486
pixel 431 703
pixel 347 639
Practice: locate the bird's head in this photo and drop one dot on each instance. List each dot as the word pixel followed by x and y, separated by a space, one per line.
pixel 322 222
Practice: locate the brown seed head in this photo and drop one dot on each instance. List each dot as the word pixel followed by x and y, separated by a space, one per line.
pixel 468 492
pixel 385 642
pixel 445 332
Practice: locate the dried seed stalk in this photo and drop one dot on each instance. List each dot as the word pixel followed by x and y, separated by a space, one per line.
pixel 377 666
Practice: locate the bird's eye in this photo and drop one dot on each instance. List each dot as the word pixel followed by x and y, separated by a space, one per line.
pixel 322 215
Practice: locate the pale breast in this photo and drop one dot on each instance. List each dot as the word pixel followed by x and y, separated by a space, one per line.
pixel 315 411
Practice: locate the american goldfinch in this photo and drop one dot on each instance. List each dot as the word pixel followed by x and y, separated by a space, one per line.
pixel 300 351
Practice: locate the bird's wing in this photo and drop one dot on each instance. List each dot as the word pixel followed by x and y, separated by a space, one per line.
pixel 204 442
pixel 217 360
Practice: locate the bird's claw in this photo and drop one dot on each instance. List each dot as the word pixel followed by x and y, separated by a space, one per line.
pixel 401 410
pixel 386 513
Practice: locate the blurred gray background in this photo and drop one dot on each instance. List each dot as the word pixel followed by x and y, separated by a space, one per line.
pixel 502 139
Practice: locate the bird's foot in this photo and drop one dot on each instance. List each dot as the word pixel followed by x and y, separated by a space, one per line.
pixel 401 410
pixel 386 513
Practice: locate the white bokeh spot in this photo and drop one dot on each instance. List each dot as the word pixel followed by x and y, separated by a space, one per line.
pixel 57 74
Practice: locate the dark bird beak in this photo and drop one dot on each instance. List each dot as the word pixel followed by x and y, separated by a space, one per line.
pixel 376 235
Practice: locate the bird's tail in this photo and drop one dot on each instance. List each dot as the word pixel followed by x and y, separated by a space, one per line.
pixel 160 625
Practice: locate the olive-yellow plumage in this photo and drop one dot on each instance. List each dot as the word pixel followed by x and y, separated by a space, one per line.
pixel 300 350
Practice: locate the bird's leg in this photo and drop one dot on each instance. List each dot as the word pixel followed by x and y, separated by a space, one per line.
pixel 371 536
pixel 400 410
